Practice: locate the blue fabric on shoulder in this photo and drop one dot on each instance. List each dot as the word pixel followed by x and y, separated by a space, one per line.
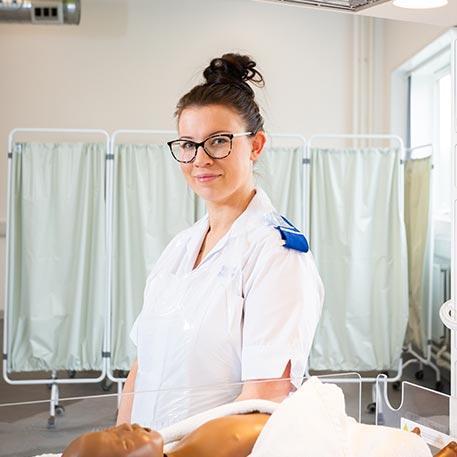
pixel 292 237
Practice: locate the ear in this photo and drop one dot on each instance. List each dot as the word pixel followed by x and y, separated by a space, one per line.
pixel 258 142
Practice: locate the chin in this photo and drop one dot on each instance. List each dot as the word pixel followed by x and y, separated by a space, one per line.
pixel 211 193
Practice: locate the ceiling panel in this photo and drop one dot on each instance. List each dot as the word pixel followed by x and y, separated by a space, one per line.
pixel 342 5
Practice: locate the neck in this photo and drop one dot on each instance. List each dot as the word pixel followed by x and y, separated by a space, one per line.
pixel 222 214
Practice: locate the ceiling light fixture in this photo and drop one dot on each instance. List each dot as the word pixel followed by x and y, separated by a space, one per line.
pixel 420 4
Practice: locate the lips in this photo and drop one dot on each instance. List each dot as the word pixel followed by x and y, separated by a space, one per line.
pixel 206 177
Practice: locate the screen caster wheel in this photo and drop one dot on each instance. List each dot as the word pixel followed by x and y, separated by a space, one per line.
pixel 371 408
pixel 419 375
pixel 60 410
pixel 106 385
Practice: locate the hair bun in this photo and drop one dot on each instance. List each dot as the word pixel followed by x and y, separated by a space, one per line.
pixel 233 69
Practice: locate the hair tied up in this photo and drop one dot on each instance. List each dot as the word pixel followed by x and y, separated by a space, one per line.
pixel 234 69
pixel 227 83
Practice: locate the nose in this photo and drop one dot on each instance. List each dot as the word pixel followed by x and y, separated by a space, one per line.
pixel 202 159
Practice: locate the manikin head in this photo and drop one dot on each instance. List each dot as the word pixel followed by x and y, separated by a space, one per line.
pixel 121 441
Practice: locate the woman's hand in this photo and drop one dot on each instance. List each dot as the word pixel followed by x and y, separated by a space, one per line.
pixel 125 408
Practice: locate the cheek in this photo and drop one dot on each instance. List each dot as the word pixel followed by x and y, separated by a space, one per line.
pixel 186 170
pixel 240 165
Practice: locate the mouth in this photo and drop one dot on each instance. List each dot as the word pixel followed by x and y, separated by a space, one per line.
pixel 206 177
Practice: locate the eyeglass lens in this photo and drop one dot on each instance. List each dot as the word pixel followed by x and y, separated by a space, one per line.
pixel 217 147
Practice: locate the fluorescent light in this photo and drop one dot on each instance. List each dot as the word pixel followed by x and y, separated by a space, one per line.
pixel 420 4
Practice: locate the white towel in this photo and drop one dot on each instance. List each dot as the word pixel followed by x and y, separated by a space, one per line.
pixel 49 455
pixel 172 434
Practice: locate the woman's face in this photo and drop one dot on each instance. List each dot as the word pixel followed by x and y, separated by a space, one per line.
pixel 219 180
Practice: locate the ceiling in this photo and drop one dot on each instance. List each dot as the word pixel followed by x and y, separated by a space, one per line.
pixel 446 16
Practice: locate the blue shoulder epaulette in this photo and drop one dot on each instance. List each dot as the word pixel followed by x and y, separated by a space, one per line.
pixel 292 237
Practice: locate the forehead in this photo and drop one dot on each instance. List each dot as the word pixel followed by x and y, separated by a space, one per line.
pixel 124 429
pixel 198 122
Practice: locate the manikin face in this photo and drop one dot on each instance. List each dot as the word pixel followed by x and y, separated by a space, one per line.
pixel 121 441
pixel 219 180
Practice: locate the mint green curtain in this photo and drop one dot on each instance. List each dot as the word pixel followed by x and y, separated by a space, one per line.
pixel 279 172
pixel 57 270
pixel 152 203
pixel 358 240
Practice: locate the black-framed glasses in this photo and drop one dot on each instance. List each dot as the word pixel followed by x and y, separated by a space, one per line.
pixel 216 146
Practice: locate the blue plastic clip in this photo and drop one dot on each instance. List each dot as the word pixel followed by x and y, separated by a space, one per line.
pixel 292 237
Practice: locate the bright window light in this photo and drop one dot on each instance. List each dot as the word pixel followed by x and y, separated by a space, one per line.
pixel 420 4
pixel 442 182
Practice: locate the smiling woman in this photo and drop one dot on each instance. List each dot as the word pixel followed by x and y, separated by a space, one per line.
pixel 212 179
pixel 227 300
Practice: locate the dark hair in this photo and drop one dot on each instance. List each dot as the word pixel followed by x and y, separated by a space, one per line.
pixel 226 84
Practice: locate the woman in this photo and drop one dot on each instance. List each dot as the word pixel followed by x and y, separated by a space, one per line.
pixel 237 296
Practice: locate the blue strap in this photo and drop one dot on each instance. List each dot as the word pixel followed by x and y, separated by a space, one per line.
pixel 292 237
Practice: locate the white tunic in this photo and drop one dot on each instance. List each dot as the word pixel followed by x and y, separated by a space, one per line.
pixel 249 307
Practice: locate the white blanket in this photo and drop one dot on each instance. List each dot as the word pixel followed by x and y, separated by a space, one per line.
pixel 313 421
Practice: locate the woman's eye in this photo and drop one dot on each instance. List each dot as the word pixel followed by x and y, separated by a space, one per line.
pixel 219 140
pixel 188 145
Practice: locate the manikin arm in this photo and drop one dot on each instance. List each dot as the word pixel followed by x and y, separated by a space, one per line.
pixel 449 451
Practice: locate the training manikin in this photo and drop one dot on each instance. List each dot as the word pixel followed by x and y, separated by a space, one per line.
pixel 230 436
pixel 311 422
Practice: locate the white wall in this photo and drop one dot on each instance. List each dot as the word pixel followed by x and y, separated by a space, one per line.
pixel 128 62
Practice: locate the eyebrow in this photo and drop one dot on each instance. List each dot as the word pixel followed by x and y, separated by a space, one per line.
pixel 210 135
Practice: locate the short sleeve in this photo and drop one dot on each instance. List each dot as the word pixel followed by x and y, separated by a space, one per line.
pixel 283 303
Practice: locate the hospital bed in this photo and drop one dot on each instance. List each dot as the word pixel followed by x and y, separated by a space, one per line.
pixel 23 432
pixel 27 437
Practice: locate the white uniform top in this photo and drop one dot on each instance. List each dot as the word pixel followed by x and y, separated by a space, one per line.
pixel 249 307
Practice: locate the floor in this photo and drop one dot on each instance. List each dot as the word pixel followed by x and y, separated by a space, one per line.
pixel 24 432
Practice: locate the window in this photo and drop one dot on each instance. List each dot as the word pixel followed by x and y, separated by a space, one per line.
pixel 442 187
pixel 430 130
